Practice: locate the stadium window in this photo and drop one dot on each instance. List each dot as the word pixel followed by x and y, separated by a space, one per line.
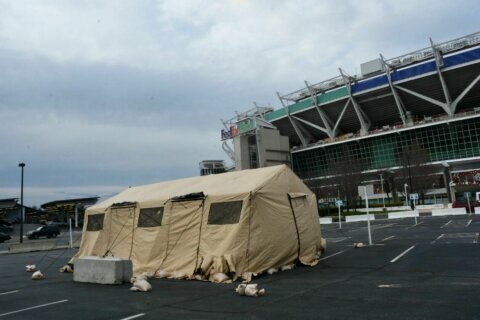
pixel 95 222
pixel 150 217
pixel 225 212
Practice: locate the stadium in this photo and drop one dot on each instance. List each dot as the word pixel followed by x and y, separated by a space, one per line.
pixel 426 101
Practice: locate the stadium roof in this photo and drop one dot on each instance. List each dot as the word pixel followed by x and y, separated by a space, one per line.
pixel 427 85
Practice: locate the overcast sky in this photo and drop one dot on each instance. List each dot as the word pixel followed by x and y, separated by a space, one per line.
pixel 96 96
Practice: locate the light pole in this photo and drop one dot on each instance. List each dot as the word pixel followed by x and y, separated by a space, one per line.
pixel 383 194
pixel 406 198
pixel 451 184
pixel 22 213
pixel 368 217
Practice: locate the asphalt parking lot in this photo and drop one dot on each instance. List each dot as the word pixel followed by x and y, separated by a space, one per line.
pixel 425 271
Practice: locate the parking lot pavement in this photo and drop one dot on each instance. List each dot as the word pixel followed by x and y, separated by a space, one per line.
pixel 411 272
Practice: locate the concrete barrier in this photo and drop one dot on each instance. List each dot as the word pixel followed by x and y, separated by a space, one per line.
pixel 378 209
pixel 430 206
pixel 361 217
pixel 449 212
pixel 108 270
pixel 403 214
pixel 326 220
pixel 29 246
pixel 477 210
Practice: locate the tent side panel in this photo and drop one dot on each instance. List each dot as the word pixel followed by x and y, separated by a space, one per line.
pixel 224 242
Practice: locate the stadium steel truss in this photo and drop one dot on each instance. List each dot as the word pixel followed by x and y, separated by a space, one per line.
pixel 431 95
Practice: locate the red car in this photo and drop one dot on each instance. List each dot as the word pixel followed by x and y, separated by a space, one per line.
pixel 464 204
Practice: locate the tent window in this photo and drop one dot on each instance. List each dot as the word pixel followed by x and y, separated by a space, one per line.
pixel 225 212
pixel 298 202
pixel 95 222
pixel 150 217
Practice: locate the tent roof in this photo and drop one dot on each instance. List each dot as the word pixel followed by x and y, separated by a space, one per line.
pixel 236 182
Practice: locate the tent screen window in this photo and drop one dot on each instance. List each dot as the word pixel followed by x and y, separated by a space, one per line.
pixel 95 222
pixel 150 217
pixel 225 212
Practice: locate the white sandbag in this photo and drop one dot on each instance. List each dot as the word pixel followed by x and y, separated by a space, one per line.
pixel 220 277
pixel 249 290
pixel 272 270
pixel 241 289
pixel 37 275
pixel 30 267
pixel 142 285
pixel 359 245
pixel 178 275
pixel 135 289
pixel 199 277
pixel 287 267
pixel 162 274
pixel 66 268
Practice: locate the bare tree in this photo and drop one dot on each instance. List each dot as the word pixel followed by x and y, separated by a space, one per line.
pixel 415 172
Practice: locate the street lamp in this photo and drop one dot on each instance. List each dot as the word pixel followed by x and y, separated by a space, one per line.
pixel 22 213
pixel 406 198
pixel 383 194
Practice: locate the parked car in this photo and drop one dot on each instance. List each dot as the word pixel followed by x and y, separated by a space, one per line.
pixel 464 204
pixel 49 231
pixel 4 237
pixel 5 228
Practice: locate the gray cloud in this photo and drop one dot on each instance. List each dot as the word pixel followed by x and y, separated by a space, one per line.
pixel 100 96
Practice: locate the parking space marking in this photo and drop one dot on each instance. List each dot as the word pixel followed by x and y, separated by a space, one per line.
pixel 134 317
pixel 438 238
pixel 332 255
pixel 9 292
pixel 386 239
pixel 415 225
pixel 446 224
pixel 468 224
pixel 34 307
pixel 401 254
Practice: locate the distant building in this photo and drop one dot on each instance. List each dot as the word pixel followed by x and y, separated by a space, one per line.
pixel 11 210
pixel 62 210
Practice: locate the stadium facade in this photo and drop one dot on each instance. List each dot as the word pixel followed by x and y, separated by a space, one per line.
pixel 429 97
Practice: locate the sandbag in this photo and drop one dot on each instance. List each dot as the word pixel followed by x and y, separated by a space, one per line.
pixel 287 267
pixel 272 271
pixel 66 268
pixel 220 277
pixel 37 275
pixel 162 274
pixel 249 290
pixel 30 267
pixel 141 285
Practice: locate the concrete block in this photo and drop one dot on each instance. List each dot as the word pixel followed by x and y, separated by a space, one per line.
pixel 477 210
pixel 108 270
pixel 449 212
pixel 326 220
pixel 403 214
pixel 361 217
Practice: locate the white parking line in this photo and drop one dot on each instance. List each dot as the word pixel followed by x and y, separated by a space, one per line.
pixel 34 307
pixel 386 239
pixel 415 225
pixel 438 238
pixel 446 224
pixel 9 292
pixel 401 254
pixel 332 255
pixel 133 317
pixel 468 224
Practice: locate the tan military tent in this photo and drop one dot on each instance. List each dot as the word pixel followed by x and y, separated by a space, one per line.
pixel 236 223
